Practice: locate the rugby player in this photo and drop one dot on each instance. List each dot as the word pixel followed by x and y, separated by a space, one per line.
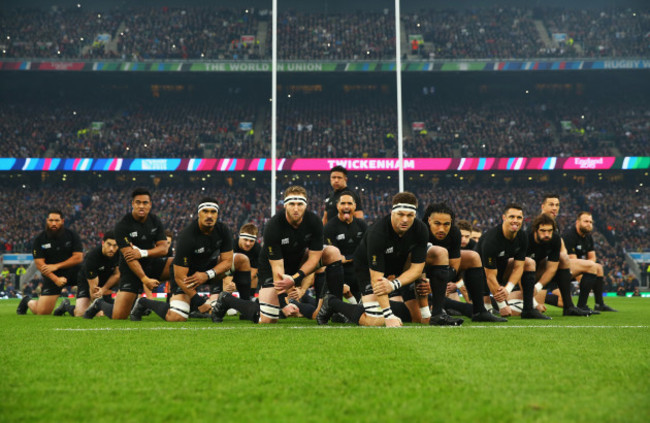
pixel 204 253
pixel 503 254
pixel 339 183
pixel 292 249
pixel 99 273
pixel 443 233
pixel 580 246
pixel 391 255
pixel 140 236
pixel 57 253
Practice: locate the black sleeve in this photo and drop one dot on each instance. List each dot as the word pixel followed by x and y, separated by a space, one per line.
pixel 375 250
pixel 569 242
pixel 91 265
pixel 160 232
pixel 330 233
pixel 255 256
pixel 122 234
pixel 522 239
pixel 556 244
pixel 227 239
pixel 419 252
pixel 37 248
pixel 357 199
pixel 489 252
pixel 272 240
pixel 184 249
pixel 454 243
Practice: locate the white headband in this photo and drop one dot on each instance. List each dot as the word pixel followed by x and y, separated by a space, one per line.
pixel 404 207
pixel 208 205
pixel 296 198
pixel 248 236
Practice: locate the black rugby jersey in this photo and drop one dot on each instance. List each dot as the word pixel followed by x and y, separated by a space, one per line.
pixel 345 236
pixel 97 265
pixel 382 250
pixel 539 251
pixel 333 198
pixel 284 242
pixel 58 248
pixel 451 242
pixel 471 245
pixel 576 244
pixel 495 249
pixel 198 251
pixel 253 254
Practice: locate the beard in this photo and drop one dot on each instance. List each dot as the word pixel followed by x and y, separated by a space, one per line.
pixel 54 233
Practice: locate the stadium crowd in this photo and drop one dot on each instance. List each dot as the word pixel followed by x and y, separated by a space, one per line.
pixel 327 125
pixel 137 33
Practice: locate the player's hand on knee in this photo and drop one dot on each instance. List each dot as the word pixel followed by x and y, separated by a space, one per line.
pixel 229 286
pixel 294 294
pixel 422 287
pixel 150 283
pixel 382 287
pixel 501 294
pixel 284 283
pixel 451 287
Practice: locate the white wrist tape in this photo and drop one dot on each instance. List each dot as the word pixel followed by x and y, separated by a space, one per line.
pixel 502 304
pixel 211 273
pixel 535 303
pixel 396 284
pixel 425 312
pixel 539 286
pixel 510 286
pixel 460 284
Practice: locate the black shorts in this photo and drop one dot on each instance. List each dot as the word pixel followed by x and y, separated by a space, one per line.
pixel 50 288
pixel 363 280
pixel 129 282
pixel 406 292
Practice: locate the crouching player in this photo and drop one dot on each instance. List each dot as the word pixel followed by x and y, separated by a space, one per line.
pixel 203 253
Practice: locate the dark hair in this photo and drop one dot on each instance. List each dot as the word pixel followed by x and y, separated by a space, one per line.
pixel 512 206
pixel 209 200
pixel 438 208
pixel 476 229
pixel 169 233
pixel 405 197
pixel 55 211
pixel 140 191
pixel 249 228
pixel 550 195
pixel 464 225
pixel 543 219
pixel 583 213
pixel 109 235
pixel 339 169
pixel 346 192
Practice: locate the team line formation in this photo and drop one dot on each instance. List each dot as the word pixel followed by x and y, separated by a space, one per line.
pixel 335 268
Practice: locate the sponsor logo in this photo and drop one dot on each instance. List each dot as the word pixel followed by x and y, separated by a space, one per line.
pixel 340 236
pixel 502 254
pixel 285 241
pixel 587 163
pixel 134 234
pixel 200 250
pixel 389 250
pixel 46 246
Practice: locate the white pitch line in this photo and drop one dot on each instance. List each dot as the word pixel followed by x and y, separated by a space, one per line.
pixel 338 328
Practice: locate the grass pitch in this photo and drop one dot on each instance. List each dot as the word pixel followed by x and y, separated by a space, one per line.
pixel 568 369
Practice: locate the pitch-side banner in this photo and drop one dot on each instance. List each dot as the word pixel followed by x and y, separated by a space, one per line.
pixel 352 164
pixel 442 65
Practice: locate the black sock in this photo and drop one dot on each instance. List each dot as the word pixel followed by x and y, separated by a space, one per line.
pixel 109 299
pixel 438 278
pixel 196 301
pixel 586 284
pixel 352 311
pixel 243 282
pixel 250 310
pixel 70 309
pixel 563 278
pixel 158 307
pixel 107 308
pixel 598 290
pixel 552 299
pixel 306 309
pixel 334 279
pixel 528 289
pixel 475 280
pixel 319 284
pixel 464 308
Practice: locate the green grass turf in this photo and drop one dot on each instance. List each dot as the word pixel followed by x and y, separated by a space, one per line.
pixel 569 369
